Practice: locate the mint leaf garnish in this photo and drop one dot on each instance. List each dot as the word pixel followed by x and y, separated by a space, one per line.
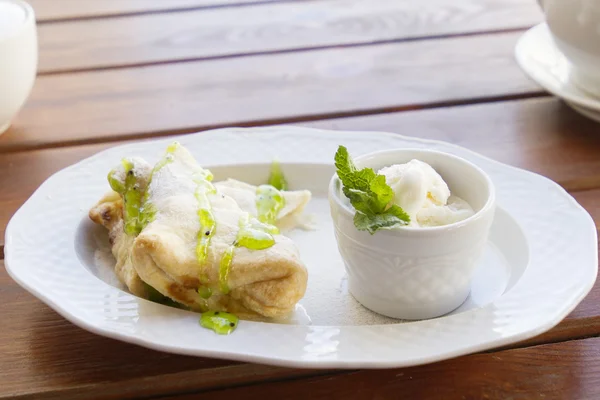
pixel 392 217
pixel 369 194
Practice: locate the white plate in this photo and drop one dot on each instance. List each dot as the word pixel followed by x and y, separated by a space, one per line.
pixel 534 272
pixel 539 57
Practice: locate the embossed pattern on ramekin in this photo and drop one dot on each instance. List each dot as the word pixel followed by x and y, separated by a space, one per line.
pixel 562 240
pixel 421 280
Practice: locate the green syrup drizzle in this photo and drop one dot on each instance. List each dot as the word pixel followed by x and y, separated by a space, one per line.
pixel 269 201
pixel 148 210
pixel 253 235
pixel 131 192
pixel 276 178
pixel 206 218
pixel 221 322
pixel 207 221
pixel 138 211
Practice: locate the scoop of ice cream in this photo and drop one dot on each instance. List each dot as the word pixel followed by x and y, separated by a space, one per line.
pixel 422 193
pixel 433 215
pixel 416 185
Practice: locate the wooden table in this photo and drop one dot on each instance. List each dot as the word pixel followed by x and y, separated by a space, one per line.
pixel 112 71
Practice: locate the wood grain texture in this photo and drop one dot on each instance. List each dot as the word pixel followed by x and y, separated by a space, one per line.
pixel 71 116
pixel 53 10
pixel 186 97
pixel 163 37
pixel 589 199
pixel 568 370
pixel 541 135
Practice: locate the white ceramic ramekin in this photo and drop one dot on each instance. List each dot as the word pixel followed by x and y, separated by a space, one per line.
pixel 411 272
pixel 18 57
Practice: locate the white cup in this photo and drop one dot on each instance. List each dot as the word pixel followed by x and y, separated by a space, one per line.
pixel 18 57
pixel 410 272
pixel 575 28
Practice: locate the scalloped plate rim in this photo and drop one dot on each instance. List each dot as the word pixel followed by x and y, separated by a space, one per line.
pixel 540 328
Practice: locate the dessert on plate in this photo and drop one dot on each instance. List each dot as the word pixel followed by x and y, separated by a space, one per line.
pixel 209 247
pixel 411 226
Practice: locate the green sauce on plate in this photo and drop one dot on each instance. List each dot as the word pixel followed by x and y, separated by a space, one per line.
pixel 276 178
pixel 253 235
pixel 206 219
pixel 131 192
pixel 269 201
pixel 221 322
pixel 148 210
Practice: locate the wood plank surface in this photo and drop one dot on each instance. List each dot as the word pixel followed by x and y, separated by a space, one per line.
pixel 569 370
pixel 113 71
pixel 53 10
pixel 542 135
pixel 163 37
pixel 186 97
pixel 590 200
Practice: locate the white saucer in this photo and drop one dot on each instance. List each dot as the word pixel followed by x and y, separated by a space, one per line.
pixel 541 60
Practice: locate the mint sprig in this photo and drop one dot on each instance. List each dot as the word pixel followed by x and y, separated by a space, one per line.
pixel 369 194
